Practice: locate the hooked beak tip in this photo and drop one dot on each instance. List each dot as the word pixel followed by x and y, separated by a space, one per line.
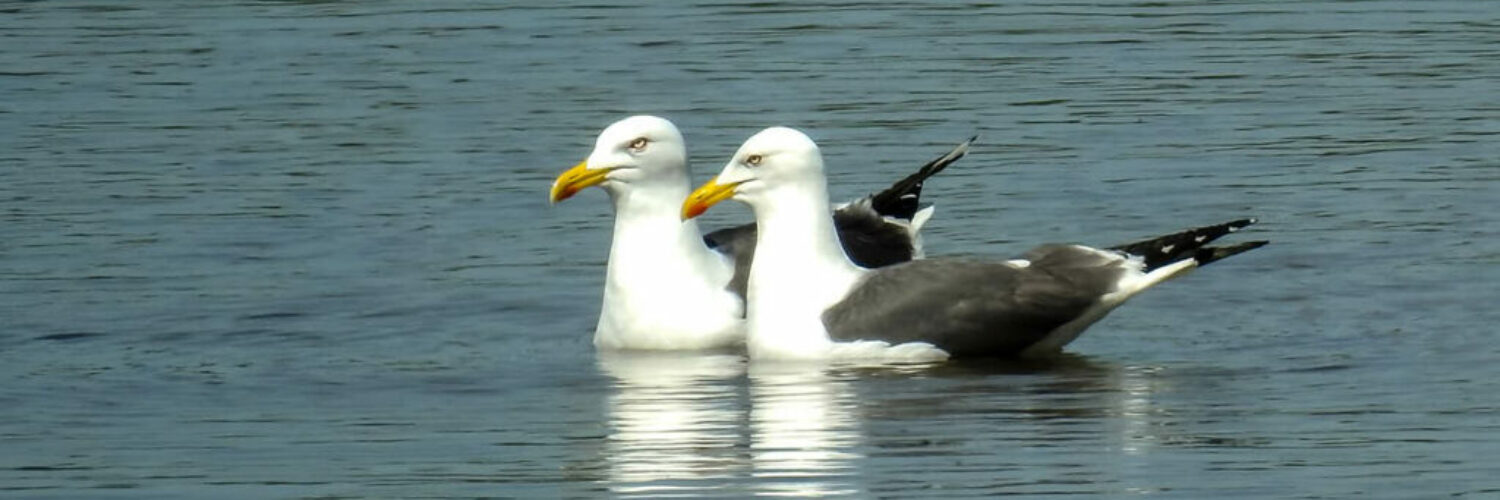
pixel 693 210
pixel 708 195
pixel 560 194
pixel 576 179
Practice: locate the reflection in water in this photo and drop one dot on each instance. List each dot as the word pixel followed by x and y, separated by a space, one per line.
pixel 1084 390
pixel 1119 404
pixel 1135 410
pixel 804 431
pixel 1137 426
pixel 679 427
pixel 999 427
pixel 675 422
pixel 717 426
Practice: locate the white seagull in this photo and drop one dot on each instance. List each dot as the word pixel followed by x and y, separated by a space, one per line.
pixel 807 300
pixel 667 286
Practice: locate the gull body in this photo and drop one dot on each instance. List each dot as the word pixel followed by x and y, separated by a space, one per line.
pixel 806 299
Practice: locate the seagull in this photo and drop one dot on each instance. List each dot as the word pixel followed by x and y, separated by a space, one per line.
pixel 667 286
pixel 807 299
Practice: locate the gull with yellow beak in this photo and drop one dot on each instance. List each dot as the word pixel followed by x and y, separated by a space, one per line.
pixel 806 299
pixel 667 286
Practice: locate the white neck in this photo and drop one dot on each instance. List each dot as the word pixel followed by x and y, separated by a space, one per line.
pixel 800 270
pixel 664 288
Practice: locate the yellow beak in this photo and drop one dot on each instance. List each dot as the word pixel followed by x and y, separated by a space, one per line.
pixel 575 180
pixel 709 195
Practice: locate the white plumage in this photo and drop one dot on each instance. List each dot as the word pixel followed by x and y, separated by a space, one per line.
pixel 665 288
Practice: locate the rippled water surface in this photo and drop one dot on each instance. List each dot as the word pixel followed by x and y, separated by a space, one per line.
pixel 302 249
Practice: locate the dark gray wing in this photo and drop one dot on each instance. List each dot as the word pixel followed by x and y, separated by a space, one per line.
pixel 971 307
pixel 869 239
pixel 737 242
pixel 987 308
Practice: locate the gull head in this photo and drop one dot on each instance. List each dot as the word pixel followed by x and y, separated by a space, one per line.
pixel 640 150
pixel 775 159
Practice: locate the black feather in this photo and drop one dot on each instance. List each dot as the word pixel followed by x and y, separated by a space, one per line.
pixel 901 200
pixel 1163 250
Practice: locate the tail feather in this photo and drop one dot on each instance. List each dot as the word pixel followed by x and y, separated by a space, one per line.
pixel 901 199
pixel 1164 250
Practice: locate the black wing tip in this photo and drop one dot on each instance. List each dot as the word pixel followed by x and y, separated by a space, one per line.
pixel 903 198
pixel 1237 225
pixel 1206 255
pixel 937 165
pixel 958 151
pixel 1192 243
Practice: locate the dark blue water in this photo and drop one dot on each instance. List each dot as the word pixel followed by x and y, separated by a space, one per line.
pixel 302 249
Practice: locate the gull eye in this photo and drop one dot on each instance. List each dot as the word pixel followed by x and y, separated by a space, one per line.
pixel 638 144
pixel 753 160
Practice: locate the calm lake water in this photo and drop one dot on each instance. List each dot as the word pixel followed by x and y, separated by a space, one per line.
pixel 303 250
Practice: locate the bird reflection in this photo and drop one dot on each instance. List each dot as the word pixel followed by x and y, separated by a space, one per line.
pixel 676 419
pixel 717 426
pixel 804 432
pixel 1078 388
pixel 1136 410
